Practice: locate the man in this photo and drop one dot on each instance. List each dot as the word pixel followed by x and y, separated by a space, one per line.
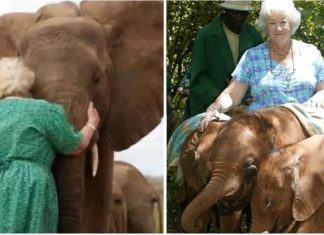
pixel 217 49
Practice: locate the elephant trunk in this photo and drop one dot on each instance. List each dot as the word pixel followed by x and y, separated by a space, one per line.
pixel 215 190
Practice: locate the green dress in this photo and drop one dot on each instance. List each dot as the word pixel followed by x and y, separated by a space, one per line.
pixel 31 132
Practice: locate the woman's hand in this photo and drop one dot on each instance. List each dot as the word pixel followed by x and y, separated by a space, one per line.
pixel 93 116
pixel 211 113
pixel 88 129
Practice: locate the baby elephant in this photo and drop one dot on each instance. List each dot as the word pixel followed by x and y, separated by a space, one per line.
pixel 144 212
pixel 289 192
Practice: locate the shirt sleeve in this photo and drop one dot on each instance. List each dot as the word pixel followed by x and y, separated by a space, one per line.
pixel 61 134
pixel 243 70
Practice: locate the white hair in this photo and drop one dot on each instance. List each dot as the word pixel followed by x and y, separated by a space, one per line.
pixel 15 77
pixel 284 7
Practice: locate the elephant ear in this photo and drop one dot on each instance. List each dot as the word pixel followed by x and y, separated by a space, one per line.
pixel 309 195
pixel 135 42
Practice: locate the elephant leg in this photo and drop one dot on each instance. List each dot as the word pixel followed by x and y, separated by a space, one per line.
pixel 230 223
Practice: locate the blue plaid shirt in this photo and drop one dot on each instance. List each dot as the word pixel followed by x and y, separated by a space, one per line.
pixel 273 84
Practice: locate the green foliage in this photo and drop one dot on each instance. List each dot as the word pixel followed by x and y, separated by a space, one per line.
pixel 311 29
pixel 185 18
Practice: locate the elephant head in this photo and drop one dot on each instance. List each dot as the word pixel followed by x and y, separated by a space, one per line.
pixel 141 198
pixel 196 167
pixel 77 60
pixel 118 219
pixel 289 192
pixel 239 147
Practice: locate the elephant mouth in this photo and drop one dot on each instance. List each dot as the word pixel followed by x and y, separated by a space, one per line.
pixel 233 203
pixel 228 207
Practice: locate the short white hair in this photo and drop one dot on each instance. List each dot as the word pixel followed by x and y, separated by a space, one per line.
pixel 15 77
pixel 284 7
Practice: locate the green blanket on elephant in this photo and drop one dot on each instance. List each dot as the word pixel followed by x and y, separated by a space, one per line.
pixel 176 141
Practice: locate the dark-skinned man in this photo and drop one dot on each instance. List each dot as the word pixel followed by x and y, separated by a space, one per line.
pixel 216 51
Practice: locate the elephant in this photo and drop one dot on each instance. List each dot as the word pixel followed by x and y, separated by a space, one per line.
pixel 141 199
pixel 196 169
pixel 289 191
pixel 77 60
pixel 118 219
pixel 12 28
pixel 239 147
pixel 66 8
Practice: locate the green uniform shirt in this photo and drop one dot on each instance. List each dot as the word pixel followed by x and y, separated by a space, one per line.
pixel 212 62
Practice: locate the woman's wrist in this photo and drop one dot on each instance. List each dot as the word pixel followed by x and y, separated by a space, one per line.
pixel 213 107
pixel 93 127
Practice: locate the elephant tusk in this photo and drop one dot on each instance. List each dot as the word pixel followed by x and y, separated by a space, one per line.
pixel 95 159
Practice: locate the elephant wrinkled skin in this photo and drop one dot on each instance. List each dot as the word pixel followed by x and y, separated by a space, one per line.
pixel 238 149
pixel 289 192
pixel 76 60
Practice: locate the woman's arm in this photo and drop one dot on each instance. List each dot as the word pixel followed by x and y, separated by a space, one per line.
pixel 88 130
pixel 228 99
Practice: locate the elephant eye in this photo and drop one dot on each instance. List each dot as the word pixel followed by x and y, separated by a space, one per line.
pixel 118 201
pixel 270 203
pixel 154 200
pixel 96 77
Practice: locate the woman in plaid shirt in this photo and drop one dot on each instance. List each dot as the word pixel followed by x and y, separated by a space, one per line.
pixel 278 71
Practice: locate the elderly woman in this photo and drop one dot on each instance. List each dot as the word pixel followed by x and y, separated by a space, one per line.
pixel 31 132
pixel 279 71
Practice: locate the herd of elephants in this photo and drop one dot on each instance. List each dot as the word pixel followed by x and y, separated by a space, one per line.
pixel 112 53
pixel 105 52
